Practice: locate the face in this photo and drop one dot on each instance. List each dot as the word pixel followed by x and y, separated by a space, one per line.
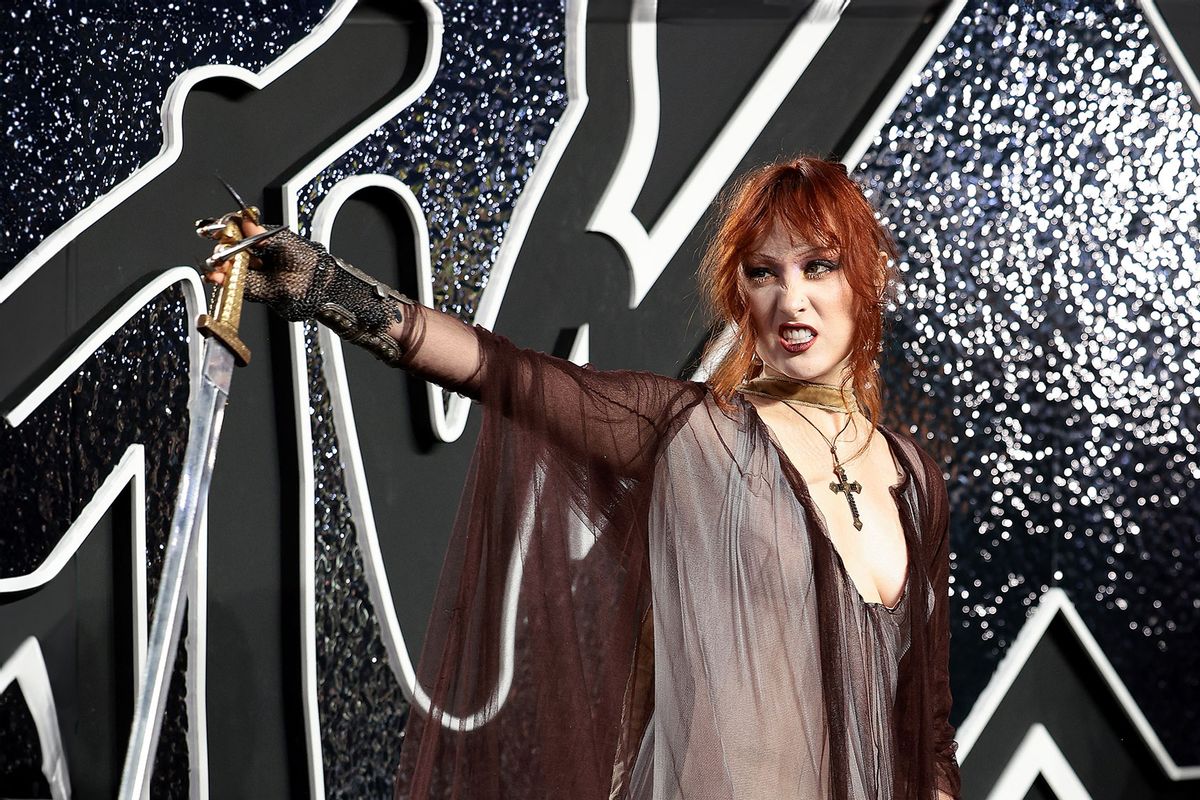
pixel 801 305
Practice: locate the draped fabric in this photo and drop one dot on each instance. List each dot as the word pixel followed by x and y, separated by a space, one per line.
pixel 639 600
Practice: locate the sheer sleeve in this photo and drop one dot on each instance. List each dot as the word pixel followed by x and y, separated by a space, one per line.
pixel 926 766
pixel 612 420
pixel 440 348
pixel 528 678
pixel 945 746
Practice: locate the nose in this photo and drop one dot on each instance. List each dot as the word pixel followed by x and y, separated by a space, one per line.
pixel 794 299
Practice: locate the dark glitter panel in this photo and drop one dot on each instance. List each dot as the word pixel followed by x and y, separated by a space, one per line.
pixel 467 147
pixel 83 86
pixel 20 749
pixel 362 708
pixel 1042 178
pixel 133 389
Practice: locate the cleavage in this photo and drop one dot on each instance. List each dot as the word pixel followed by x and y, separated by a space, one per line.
pixel 875 557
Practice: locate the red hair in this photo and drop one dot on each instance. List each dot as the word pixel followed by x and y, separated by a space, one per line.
pixel 817 201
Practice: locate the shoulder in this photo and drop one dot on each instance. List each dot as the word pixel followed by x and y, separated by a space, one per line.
pixel 704 425
pixel 724 418
pixel 655 391
pixel 929 476
pixel 916 454
pixel 660 400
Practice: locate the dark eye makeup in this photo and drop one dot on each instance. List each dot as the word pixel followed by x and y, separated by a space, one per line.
pixel 815 269
pixel 758 273
pixel 820 267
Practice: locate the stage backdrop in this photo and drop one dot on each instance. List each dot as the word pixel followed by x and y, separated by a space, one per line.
pixel 546 168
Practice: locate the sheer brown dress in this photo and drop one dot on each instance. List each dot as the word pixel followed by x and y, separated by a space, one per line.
pixel 640 601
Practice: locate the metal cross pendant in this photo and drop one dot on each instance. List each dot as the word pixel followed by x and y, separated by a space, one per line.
pixel 846 486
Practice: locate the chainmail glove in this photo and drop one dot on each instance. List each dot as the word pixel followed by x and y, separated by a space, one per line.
pixel 300 280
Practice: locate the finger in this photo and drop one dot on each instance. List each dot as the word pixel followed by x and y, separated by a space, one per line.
pixel 249 228
pixel 217 263
pixel 226 251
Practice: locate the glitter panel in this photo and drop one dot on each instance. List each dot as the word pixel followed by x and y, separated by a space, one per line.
pixel 362 709
pixel 20 749
pixel 133 389
pixel 467 147
pixel 83 86
pixel 1042 179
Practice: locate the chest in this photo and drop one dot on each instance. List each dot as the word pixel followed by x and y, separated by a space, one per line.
pixel 875 556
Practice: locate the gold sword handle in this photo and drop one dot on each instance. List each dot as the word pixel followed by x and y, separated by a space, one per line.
pixel 225 306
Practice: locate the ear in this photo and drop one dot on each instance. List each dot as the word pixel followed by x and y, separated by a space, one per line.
pixel 881 270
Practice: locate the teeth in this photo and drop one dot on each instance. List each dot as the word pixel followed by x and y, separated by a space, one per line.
pixel 797 335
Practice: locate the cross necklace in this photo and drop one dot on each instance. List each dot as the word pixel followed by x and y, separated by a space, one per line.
pixel 842 484
pixel 792 392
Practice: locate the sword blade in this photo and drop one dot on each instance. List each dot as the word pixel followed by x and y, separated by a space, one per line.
pixel 207 410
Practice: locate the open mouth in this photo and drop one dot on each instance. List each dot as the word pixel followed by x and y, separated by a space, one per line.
pixel 796 338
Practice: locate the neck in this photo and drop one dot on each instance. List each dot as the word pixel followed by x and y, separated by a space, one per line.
pixel 771 372
pixel 773 383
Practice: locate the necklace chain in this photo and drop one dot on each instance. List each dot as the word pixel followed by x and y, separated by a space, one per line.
pixel 793 392
pixel 842 484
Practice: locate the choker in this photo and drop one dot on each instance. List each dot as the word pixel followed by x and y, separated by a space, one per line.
pixel 826 396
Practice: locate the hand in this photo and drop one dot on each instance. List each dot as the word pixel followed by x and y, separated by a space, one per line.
pixel 218 273
pixel 300 280
pixel 290 274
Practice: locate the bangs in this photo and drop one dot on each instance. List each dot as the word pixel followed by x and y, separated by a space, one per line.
pixel 805 209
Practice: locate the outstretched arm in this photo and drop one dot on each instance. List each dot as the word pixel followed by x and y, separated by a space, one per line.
pixel 300 280
pixel 606 422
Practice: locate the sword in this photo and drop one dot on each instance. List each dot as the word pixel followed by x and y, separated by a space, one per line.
pixel 222 349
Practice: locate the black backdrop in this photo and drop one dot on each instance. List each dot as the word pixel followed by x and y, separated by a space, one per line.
pixel 710 52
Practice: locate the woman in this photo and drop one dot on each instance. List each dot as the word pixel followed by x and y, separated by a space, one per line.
pixel 736 589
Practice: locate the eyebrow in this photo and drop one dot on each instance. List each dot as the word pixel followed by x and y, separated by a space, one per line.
pixel 825 252
pixel 762 258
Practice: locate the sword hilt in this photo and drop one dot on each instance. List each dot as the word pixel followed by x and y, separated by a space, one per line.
pixel 225 306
